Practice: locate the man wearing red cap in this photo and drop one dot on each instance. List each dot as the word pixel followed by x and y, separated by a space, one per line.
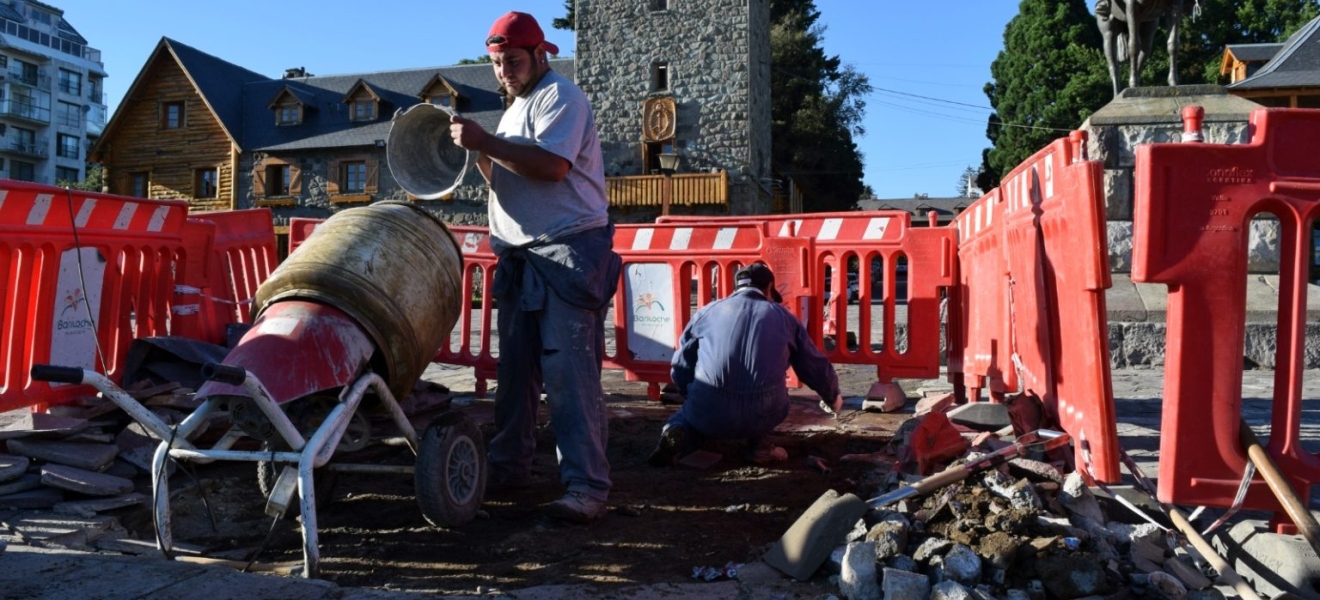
pixel 730 367
pixel 557 270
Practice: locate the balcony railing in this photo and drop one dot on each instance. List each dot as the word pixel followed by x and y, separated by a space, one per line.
pixel 28 79
pixel 24 110
pixel 24 148
pixel 689 189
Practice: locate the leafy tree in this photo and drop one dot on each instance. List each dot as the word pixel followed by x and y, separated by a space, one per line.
pixel 816 110
pixel 1052 74
pixel 1209 25
pixel 1049 77
pixel 480 60
pixel 93 182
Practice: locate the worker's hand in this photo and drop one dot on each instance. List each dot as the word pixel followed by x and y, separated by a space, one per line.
pixel 467 133
pixel 837 405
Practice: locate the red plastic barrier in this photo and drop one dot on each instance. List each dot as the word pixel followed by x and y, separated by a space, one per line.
pixel 301 228
pixel 228 255
pixel 888 240
pixel 1030 303
pixel 83 275
pixel 665 265
pixel 468 346
pixel 1056 249
pixel 1194 204
pixel 978 320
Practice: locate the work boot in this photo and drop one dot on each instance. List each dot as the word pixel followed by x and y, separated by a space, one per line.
pixel 577 507
pixel 763 452
pixel 672 445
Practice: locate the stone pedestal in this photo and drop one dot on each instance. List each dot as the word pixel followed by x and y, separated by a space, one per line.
pixel 1154 115
pixel 1137 311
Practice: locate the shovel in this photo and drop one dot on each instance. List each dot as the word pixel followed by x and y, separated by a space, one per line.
pixel 1042 440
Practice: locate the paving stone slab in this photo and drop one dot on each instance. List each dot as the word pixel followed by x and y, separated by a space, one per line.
pixel 24 483
pixel 12 467
pixel 89 508
pixel 35 498
pixel 23 423
pixel 981 416
pixel 84 481
pixel 93 457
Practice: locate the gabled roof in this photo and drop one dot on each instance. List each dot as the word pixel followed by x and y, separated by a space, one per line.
pixel 1254 52
pixel 1297 64
pixel 303 98
pixel 330 126
pixel 434 80
pixel 360 85
pixel 219 83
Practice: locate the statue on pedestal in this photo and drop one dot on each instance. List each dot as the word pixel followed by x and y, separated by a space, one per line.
pixel 1128 29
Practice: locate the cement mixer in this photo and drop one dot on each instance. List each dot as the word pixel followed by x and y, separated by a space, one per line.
pixel 345 325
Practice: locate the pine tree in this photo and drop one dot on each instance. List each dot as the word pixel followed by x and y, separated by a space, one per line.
pixel 1048 78
pixel 816 110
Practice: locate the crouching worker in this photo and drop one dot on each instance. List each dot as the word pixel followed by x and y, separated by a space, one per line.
pixel 730 365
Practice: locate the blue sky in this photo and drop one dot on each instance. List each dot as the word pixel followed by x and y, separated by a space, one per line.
pixel 927 63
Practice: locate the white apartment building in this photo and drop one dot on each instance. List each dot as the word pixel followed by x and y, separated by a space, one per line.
pixel 52 105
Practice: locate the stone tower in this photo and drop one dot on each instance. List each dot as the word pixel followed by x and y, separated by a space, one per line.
pixel 684 76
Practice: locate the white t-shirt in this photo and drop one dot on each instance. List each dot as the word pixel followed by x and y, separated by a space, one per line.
pixel 556 117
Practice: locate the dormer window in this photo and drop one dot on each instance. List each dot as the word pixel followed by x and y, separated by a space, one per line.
pixel 288 115
pixel 439 92
pixel 289 107
pixel 364 110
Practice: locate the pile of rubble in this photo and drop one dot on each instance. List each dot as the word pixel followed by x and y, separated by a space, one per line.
pixel 1022 531
pixel 61 470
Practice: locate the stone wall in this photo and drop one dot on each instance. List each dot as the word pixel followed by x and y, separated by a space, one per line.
pixel 1153 115
pixel 314 201
pixel 719 77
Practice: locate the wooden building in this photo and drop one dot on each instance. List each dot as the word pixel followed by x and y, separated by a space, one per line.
pixel 1280 75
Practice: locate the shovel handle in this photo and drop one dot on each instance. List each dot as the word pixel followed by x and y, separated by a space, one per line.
pixel 1278 483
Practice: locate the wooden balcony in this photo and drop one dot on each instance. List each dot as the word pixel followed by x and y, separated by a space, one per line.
pixel 689 189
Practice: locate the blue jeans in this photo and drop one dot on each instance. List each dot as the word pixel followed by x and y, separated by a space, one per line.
pixel 713 414
pixel 562 347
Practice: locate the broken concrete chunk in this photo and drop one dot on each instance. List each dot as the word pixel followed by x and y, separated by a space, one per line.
pixel 1080 502
pixel 890 538
pixel 931 548
pixel 1073 576
pixel 1167 586
pixel 84 482
pixel 92 457
pixel 904 585
pixel 961 564
pixel 1126 533
pixel 1035 470
pixel 857 577
pixel 950 590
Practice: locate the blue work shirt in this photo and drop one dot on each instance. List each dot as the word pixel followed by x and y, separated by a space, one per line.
pixel 731 364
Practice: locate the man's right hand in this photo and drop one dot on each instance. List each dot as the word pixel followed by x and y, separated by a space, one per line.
pixel 467 133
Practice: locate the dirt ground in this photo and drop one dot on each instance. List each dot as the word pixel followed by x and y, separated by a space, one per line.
pixel 662 522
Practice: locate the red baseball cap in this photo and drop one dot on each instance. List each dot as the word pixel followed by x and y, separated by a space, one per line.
pixel 519 30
